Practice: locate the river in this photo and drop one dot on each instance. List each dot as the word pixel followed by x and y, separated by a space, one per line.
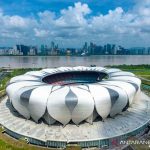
pixel 56 61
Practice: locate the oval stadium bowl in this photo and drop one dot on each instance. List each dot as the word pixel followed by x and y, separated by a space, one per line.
pixel 73 94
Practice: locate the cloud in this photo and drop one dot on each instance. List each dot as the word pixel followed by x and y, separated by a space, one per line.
pixel 41 33
pixel 74 16
pixel 16 22
pixel 77 24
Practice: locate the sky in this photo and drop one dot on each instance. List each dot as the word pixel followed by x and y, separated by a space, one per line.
pixel 70 22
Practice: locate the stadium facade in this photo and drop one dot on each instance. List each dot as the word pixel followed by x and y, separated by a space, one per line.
pixel 77 97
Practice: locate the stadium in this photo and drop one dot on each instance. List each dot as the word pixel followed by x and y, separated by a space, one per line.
pixel 88 106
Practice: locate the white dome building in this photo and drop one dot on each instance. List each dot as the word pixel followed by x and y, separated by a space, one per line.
pixel 74 94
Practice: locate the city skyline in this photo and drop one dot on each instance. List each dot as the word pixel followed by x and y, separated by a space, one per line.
pixel 86 49
pixel 69 24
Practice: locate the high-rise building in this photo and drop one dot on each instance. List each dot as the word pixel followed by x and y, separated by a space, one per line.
pixel 23 49
pixel 92 48
pixel 98 50
pixel 137 50
pixel 148 50
pixel 44 49
pixel 109 49
pixel 85 48
pixel 54 49
pixel 33 50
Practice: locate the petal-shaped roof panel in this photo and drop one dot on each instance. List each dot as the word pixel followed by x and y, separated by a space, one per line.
pixel 102 100
pixel 36 73
pixel 112 70
pixel 121 73
pixel 127 79
pixel 50 71
pixel 84 107
pixel 127 87
pixel 120 102
pixel 24 78
pixel 56 106
pixel 20 100
pixel 38 101
pixel 14 87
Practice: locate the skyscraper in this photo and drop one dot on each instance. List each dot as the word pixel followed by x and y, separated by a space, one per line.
pixel 23 49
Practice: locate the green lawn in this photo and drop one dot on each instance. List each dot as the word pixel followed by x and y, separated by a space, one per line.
pixel 8 143
pixel 14 73
pixel 142 71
